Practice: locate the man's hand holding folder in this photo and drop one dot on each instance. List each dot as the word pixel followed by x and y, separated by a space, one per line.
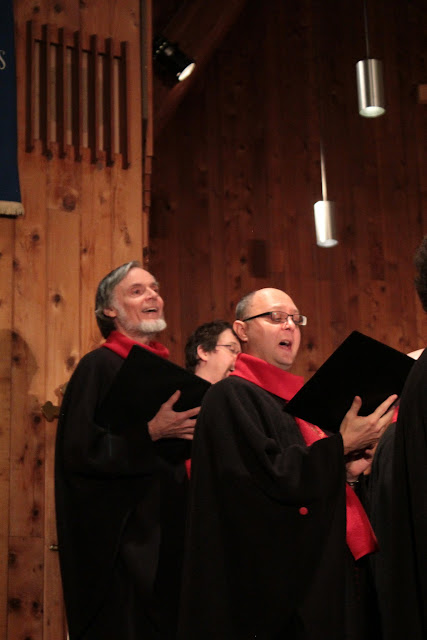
pixel 168 423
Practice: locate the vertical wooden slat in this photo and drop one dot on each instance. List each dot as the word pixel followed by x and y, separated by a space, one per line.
pixel 93 100
pixel 62 352
pixel 61 92
pixel 25 602
pixel 7 229
pixel 124 105
pixel 76 101
pixel 108 102
pixel 45 101
pixel 130 232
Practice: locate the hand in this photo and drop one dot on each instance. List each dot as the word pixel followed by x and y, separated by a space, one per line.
pixel 361 432
pixel 360 465
pixel 168 423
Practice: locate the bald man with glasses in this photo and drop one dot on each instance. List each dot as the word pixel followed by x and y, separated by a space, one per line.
pixel 276 536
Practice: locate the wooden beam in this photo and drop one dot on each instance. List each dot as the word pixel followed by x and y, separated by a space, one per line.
pixel 198 29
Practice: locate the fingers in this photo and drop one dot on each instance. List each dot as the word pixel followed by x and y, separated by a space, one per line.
pixel 190 413
pixel 174 397
pixel 355 406
pixel 182 415
pixel 385 407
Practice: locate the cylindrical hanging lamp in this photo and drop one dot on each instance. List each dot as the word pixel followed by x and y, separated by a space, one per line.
pixel 370 87
pixel 324 211
pixel 324 218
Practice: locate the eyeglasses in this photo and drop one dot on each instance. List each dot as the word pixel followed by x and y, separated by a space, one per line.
pixel 233 348
pixel 280 316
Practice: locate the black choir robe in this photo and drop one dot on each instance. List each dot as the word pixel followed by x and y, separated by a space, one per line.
pixel 408 560
pixel 266 540
pixel 120 506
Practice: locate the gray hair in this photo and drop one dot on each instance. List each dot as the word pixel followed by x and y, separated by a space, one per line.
pixel 105 294
pixel 243 305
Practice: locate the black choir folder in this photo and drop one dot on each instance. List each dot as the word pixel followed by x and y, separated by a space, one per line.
pixel 360 366
pixel 143 383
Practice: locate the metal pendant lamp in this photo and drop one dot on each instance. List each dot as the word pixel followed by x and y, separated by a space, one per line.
pixel 324 212
pixel 370 85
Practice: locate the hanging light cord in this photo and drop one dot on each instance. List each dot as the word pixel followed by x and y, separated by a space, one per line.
pixel 365 17
pixel 323 171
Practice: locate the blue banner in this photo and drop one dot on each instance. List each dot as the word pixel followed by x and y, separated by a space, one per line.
pixel 10 194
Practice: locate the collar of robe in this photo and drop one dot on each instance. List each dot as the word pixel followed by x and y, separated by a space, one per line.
pixel 121 344
pixel 360 537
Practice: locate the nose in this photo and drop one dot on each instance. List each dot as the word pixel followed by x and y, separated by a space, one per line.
pixel 290 322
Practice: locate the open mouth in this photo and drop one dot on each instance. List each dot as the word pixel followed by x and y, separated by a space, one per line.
pixel 285 343
pixel 150 310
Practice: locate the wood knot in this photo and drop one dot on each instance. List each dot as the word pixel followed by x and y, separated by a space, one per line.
pixel 35 237
pixel 69 202
pixel 15 604
pixel 56 299
pixel 70 362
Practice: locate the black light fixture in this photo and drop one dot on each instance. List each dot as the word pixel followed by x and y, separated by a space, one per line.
pixel 171 59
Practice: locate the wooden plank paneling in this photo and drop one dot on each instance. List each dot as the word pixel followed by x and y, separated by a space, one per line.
pixel 25 601
pixel 50 263
pixel 7 231
pixel 248 135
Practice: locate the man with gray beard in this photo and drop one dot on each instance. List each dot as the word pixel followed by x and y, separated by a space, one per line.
pixel 121 496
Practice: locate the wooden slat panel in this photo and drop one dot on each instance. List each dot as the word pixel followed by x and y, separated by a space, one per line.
pixel 61 92
pixel 45 88
pixel 124 104
pixel 6 295
pixel 93 100
pixel 63 287
pixel 77 116
pixel 255 150
pixel 108 103
pixel 25 597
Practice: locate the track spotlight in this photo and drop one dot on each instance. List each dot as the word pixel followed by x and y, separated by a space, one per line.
pixel 171 59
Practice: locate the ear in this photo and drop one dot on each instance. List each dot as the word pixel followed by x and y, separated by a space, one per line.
pixel 240 329
pixel 110 312
pixel 201 353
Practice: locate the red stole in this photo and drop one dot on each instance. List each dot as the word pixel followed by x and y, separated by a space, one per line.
pixel 121 344
pixel 360 537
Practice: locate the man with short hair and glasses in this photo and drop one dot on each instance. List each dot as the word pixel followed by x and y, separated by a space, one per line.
pixel 211 351
pixel 274 531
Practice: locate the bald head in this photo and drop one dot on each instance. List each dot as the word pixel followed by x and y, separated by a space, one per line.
pixel 275 342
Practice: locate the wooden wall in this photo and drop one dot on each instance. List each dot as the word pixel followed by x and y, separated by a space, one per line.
pixel 81 220
pixel 237 171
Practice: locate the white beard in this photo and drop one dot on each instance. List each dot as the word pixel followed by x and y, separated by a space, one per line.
pixel 152 326
pixel 143 328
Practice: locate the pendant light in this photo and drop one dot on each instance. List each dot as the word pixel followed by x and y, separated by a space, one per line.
pixel 370 86
pixel 324 211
